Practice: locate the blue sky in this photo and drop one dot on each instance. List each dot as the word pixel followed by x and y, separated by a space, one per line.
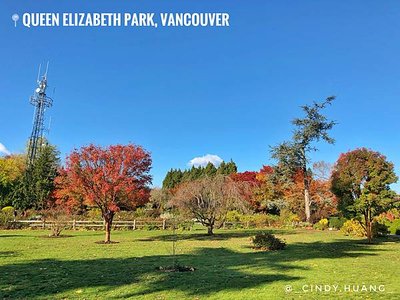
pixel 187 92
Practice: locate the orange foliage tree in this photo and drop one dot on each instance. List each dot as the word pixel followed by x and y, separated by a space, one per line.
pixel 323 203
pixel 265 192
pixel 111 178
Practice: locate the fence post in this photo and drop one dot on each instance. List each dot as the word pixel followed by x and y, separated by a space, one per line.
pixel 223 225
pixel 74 224
pixel 134 224
pixel 163 224
pixel 44 224
pixel 248 224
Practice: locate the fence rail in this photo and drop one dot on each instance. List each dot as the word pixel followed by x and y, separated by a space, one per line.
pixel 130 225
pixel 77 224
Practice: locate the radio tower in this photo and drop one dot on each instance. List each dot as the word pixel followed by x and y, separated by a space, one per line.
pixel 40 101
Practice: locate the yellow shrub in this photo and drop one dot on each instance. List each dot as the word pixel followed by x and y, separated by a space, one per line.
pixel 353 228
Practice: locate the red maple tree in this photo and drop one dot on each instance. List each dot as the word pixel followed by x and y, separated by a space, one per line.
pixel 254 181
pixel 111 178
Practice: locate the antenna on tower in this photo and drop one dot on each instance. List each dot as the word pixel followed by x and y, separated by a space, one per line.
pixel 40 101
pixel 47 68
pixel 38 74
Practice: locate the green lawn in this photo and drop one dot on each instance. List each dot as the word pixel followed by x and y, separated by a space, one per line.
pixel 76 267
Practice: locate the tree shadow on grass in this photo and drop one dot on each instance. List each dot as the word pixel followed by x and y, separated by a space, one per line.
pixel 217 269
pixel 215 237
pixel 8 253
pixel 2 236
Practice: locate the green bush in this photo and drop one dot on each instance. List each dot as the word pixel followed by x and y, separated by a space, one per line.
pixel 151 227
pixel 379 229
pixel 262 220
pixel 352 228
pixel 394 227
pixel 254 220
pixel 8 210
pixel 289 218
pixel 233 216
pixel 397 231
pixel 321 224
pixel 336 222
pixel 6 219
pixel 268 241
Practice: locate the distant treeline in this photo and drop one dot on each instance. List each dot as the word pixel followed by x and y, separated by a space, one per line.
pixel 176 176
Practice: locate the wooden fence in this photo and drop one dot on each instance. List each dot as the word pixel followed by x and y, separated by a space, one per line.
pixel 77 224
pixel 129 225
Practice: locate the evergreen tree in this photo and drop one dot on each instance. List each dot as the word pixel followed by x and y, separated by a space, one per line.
pixel 221 168
pixel 36 186
pixel 293 155
pixel 210 170
pixel 229 168
pixel 174 177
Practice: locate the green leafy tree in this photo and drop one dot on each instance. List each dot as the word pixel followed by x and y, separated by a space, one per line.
pixel 36 186
pixel 361 180
pixel 293 155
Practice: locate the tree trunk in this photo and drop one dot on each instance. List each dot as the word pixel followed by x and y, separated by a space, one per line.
pixel 368 227
pixel 210 229
pixel 307 202
pixel 108 218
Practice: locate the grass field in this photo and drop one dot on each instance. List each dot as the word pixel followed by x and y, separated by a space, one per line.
pixel 75 267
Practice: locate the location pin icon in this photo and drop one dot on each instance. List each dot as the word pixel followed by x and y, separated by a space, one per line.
pixel 15 18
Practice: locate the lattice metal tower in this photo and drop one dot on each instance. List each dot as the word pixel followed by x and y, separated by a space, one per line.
pixel 40 101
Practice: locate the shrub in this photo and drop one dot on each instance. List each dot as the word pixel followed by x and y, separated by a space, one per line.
pixel 124 216
pixel 233 216
pixel 289 218
pixel 336 222
pixel 151 227
pixel 167 216
pixel 379 229
pixel 321 224
pixel 394 227
pixel 397 231
pixel 94 214
pixel 6 217
pixel 262 220
pixel 140 212
pixel 58 220
pixel 353 228
pixel 268 241
pixel 5 220
pixel 8 210
pixel 254 220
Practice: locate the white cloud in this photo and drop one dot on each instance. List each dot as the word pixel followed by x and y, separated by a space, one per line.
pixel 204 160
pixel 4 150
